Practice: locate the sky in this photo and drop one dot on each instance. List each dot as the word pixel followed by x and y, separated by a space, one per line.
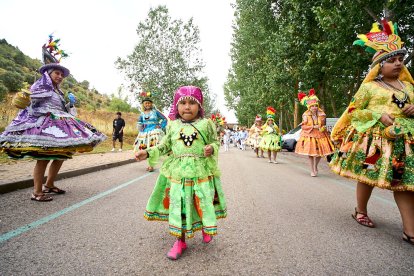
pixel 96 32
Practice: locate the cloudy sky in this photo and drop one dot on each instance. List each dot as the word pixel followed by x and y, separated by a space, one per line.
pixel 96 32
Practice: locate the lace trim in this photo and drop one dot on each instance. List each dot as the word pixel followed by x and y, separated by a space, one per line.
pixel 189 155
pixel 16 141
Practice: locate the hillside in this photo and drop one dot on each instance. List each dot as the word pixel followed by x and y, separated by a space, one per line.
pixel 18 71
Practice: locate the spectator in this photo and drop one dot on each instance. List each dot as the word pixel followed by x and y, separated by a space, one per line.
pixel 118 131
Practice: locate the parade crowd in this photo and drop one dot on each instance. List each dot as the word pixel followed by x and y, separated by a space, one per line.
pixel 372 142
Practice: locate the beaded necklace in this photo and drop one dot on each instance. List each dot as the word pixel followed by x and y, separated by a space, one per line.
pixel 399 102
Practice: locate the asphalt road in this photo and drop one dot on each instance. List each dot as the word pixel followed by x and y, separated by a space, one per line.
pixel 280 222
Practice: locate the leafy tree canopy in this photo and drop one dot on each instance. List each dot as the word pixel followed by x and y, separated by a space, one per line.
pixel 167 56
pixel 282 46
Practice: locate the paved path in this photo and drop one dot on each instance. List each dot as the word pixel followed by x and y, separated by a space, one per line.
pixel 280 222
pixel 23 169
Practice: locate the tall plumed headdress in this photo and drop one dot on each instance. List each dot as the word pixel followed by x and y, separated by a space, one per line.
pixel 186 92
pixel 383 43
pixel 51 56
pixel 270 113
pixel 145 97
pixel 308 100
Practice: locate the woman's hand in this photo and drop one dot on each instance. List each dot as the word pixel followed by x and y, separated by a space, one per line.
pixel 387 119
pixel 316 126
pixel 141 155
pixel 408 110
pixel 208 151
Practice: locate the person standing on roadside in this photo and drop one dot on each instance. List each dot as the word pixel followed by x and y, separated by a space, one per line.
pixel 118 131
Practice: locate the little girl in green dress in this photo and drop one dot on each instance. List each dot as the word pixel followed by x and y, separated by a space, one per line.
pixel 188 192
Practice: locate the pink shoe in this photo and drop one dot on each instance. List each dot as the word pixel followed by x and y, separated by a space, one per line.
pixel 206 238
pixel 177 249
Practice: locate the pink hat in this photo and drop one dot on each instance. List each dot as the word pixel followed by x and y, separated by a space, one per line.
pixel 186 92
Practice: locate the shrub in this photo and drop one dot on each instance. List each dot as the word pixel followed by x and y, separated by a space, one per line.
pixel 12 80
pixel 3 91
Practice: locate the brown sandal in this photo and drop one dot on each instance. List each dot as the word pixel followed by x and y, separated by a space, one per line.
pixel 41 198
pixel 363 220
pixel 408 239
pixel 55 190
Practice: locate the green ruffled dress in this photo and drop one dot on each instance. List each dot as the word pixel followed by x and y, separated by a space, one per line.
pixel 188 192
pixel 370 152
pixel 270 139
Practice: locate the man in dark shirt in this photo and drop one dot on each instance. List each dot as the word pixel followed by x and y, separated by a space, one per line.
pixel 118 131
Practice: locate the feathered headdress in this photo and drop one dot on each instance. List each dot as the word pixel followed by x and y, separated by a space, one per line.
pixel 218 119
pixel 383 43
pixel 270 113
pixel 308 100
pixel 51 56
pixel 145 96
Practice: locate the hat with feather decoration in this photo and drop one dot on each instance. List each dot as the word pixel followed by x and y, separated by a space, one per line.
pixel 270 113
pixel 308 100
pixel 51 56
pixel 383 43
pixel 145 97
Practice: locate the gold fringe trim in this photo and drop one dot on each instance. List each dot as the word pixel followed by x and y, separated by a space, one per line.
pixel 373 183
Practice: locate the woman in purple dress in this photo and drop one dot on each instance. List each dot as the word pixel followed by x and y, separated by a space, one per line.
pixel 47 129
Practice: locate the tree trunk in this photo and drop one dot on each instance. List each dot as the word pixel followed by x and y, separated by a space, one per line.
pixel 295 113
pixel 280 120
pixel 321 92
pixel 333 106
pixel 296 107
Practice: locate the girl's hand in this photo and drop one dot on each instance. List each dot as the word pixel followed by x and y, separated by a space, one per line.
pixel 141 155
pixel 208 151
pixel 387 119
pixel 408 110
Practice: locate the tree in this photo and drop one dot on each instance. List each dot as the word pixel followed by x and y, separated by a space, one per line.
pixel 20 59
pixel 117 104
pixel 12 80
pixel 85 84
pixel 166 57
pixel 3 91
pixel 283 46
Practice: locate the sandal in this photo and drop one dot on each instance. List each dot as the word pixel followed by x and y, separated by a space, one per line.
pixel 41 198
pixel 363 220
pixel 408 239
pixel 55 190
